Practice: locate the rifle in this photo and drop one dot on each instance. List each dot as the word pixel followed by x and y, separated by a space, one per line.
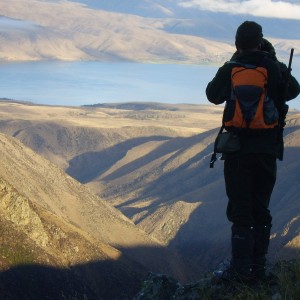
pixel 283 107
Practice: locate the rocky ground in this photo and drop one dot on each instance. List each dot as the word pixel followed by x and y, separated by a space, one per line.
pixel 285 284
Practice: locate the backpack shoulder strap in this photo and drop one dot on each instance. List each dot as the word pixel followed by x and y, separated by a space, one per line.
pixel 248 66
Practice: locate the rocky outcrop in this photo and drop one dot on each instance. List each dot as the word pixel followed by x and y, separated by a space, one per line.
pixel 60 240
pixel 17 209
pixel 44 257
pixel 283 283
pixel 44 189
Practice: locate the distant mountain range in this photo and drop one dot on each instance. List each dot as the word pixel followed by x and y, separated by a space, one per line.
pixel 143 31
pixel 211 25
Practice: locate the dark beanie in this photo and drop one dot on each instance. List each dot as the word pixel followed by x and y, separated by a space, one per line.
pixel 248 35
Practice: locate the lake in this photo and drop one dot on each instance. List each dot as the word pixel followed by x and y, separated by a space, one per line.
pixel 80 83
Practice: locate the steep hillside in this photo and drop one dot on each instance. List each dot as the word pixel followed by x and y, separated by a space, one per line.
pixel 170 192
pixel 42 255
pixel 58 223
pixel 285 203
pixel 153 165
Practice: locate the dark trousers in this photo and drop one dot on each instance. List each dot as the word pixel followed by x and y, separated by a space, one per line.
pixel 249 180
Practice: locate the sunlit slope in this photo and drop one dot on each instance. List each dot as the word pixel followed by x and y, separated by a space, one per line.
pixel 64 133
pixel 153 166
pixel 169 190
pixel 43 255
pixel 47 186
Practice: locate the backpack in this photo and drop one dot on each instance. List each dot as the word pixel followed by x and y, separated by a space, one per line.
pixel 249 106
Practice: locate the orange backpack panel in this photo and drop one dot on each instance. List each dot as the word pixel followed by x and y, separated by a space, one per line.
pixel 250 105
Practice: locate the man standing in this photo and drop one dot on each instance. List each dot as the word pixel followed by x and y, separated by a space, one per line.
pixel 250 172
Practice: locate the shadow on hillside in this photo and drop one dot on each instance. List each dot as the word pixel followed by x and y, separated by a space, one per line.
pixel 91 281
pixel 175 145
pixel 108 279
pixel 192 175
pixel 291 129
pixel 204 240
pixel 191 180
pixel 90 165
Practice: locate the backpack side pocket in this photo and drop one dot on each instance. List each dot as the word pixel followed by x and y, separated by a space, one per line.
pixel 228 142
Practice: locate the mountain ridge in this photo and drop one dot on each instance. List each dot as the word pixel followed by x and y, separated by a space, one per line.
pixel 153 166
pixel 47 30
pixel 65 225
pixel 57 254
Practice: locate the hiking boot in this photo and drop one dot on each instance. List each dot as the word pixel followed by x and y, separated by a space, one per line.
pixel 261 245
pixel 242 243
pixel 227 273
pixel 239 268
pixel 258 268
pixel 223 272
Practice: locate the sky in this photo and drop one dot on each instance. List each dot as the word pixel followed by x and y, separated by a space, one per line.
pixel 258 8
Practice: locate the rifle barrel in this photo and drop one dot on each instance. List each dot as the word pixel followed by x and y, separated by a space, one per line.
pixel 291 59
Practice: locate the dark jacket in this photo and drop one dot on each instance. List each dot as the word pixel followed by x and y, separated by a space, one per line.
pixel 219 89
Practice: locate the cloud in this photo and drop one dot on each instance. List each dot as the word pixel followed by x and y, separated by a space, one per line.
pixel 259 8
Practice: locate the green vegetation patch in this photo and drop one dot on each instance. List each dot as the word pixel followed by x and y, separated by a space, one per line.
pixel 15 249
pixel 289 279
